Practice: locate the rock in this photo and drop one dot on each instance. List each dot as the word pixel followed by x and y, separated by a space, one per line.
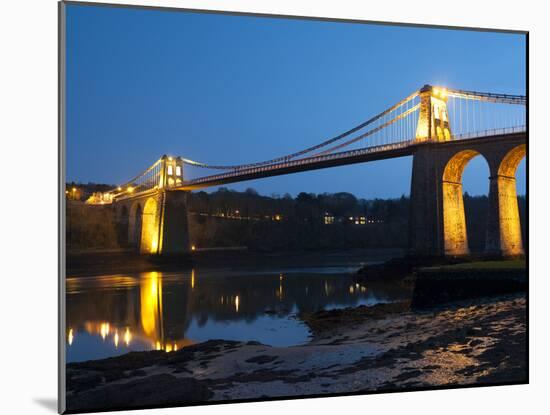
pixel 156 390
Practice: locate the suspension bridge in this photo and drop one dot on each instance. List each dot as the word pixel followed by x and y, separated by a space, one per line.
pixel 152 205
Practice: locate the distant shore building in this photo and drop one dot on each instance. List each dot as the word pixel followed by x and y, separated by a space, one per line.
pixel 330 219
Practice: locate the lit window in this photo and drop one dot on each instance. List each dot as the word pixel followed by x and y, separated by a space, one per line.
pixel 178 171
pixel 170 170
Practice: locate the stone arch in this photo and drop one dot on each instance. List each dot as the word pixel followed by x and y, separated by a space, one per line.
pixel 504 185
pixel 134 225
pixel 509 164
pixel 455 236
pixel 150 227
pixel 122 226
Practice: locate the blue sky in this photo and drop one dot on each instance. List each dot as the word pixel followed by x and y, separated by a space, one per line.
pixel 233 89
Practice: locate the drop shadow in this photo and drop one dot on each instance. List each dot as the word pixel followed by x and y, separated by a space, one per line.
pixel 48 403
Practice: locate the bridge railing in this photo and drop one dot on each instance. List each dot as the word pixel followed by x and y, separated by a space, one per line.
pixel 301 162
pixel 491 132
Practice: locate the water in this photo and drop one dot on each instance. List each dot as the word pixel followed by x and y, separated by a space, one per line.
pixel 113 314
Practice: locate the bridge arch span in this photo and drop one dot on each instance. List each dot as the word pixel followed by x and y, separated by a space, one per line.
pixel 122 225
pixel 134 225
pixel 150 227
pixel 504 232
pixel 455 235
pixel 509 164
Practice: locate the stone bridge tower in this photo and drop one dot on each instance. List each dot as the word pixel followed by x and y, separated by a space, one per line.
pixel 437 223
pixel 155 221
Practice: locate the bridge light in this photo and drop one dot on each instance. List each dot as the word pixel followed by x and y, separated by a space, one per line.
pixel 119 188
pixel 74 189
pixel 127 336
pixel 104 330
pixel 130 189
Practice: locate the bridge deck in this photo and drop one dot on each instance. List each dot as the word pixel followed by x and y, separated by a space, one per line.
pixel 374 153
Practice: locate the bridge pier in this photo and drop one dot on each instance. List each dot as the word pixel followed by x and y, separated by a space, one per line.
pixel 174 235
pixel 156 223
pixel 426 207
pixel 437 221
pixel 503 222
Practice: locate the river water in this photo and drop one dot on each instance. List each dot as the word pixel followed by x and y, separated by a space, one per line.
pixel 110 315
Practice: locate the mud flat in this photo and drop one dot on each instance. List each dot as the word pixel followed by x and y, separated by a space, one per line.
pixel 363 349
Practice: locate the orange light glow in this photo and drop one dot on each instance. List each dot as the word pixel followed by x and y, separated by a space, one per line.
pixel 104 330
pixel 127 336
pixel 151 303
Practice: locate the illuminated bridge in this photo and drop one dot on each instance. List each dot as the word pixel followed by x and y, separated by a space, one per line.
pixel 443 129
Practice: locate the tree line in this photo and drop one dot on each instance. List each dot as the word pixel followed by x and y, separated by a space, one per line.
pixel 281 222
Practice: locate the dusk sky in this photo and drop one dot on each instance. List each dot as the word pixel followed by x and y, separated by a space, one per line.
pixel 227 89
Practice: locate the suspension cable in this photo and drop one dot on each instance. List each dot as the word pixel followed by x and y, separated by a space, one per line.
pixel 309 149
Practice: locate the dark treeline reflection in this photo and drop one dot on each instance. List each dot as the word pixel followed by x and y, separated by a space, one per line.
pixel 310 221
pixel 156 311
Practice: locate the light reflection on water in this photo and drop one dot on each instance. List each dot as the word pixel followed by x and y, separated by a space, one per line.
pixel 111 315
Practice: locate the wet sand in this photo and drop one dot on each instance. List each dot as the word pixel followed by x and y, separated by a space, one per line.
pixel 476 342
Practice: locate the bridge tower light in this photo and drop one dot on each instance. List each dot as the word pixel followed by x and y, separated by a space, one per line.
pixel 171 172
pixel 433 119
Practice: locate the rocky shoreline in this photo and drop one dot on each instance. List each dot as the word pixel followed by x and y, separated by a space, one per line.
pixel 363 349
